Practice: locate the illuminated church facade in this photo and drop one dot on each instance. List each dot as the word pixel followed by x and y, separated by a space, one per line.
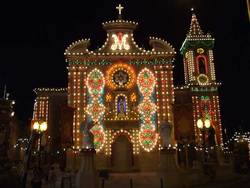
pixel 128 92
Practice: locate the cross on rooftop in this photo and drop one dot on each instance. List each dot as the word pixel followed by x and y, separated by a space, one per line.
pixel 119 8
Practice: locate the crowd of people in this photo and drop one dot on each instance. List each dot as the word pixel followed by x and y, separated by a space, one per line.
pixel 50 177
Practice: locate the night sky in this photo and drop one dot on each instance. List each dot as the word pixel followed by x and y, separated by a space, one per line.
pixel 33 39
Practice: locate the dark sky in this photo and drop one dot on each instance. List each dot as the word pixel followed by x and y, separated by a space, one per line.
pixel 33 38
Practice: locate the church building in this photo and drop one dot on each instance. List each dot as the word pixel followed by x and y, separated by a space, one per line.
pixel 128 93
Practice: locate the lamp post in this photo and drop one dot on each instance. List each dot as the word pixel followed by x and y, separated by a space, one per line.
pixel 40 128
pixel 203 124
pixel 36 128
pixel 208 168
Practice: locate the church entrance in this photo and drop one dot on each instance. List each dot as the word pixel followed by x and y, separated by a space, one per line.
pixel 122 154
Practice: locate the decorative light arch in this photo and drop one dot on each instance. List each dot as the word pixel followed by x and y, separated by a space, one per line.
pixel 125 133
pixel 122 132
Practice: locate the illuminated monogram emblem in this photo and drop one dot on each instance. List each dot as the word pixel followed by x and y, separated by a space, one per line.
pixel 120 42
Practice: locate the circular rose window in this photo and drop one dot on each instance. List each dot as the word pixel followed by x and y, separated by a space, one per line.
pixel 120 75
pixel 120 78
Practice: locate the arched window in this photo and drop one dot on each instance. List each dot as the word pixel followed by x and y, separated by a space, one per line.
pixel 202 65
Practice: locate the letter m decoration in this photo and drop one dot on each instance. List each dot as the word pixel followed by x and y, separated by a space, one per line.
pixel 120 42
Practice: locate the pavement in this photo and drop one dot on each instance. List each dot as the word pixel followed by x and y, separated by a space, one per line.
pixel 152 180
pixel 224 179
pixel 241 182
pixel 128 180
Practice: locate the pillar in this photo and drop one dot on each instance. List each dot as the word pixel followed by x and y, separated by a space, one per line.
pixel 87 175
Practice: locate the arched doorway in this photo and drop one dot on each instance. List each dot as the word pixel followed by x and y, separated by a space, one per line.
pixel 122 154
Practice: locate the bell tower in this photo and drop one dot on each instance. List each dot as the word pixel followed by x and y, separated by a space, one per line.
pixel 197 51
pixel 200 80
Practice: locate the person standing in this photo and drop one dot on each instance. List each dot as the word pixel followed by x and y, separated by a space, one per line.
pixel 52 177
pixel 36 181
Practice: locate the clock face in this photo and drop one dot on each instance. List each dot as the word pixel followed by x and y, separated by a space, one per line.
pixel 202 79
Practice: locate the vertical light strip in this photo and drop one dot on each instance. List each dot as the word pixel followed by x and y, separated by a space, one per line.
pixel 157 86
pixel 197 116
pixel 83 93
pixel 47 110
pixel 170 84
pixel 219 119
pixel 71 97
pixel 194 116
pixel 163 102
pixel 215 108
pixel 211 61
pixel 185 61
pixel 35 110
pixel 191 69
pixel 192 65
pixel 78 81
pixel 74 105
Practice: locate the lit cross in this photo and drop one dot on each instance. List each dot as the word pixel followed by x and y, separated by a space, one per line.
pixel 119 8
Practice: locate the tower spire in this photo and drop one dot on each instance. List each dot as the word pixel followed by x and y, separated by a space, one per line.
pixel 195 28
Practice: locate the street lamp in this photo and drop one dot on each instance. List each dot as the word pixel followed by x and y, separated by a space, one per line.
pixel 40 127
pixel 37 127
pixel 203 124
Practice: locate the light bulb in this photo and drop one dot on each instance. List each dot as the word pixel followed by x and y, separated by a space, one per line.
pixel 36 126
pixel 207 123
pixel 43 126
pixel 199 124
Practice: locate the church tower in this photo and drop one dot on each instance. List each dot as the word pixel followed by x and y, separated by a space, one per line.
pixel 200 80
pixel 197 50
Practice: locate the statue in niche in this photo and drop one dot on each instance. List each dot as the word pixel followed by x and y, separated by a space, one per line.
pixel 88 137
pixel 165 133
pixel 121 106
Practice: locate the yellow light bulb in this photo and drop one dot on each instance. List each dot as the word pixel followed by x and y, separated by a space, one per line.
pixel 207 123
pixel 36 126
pixel 199 124
pixel 43 126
